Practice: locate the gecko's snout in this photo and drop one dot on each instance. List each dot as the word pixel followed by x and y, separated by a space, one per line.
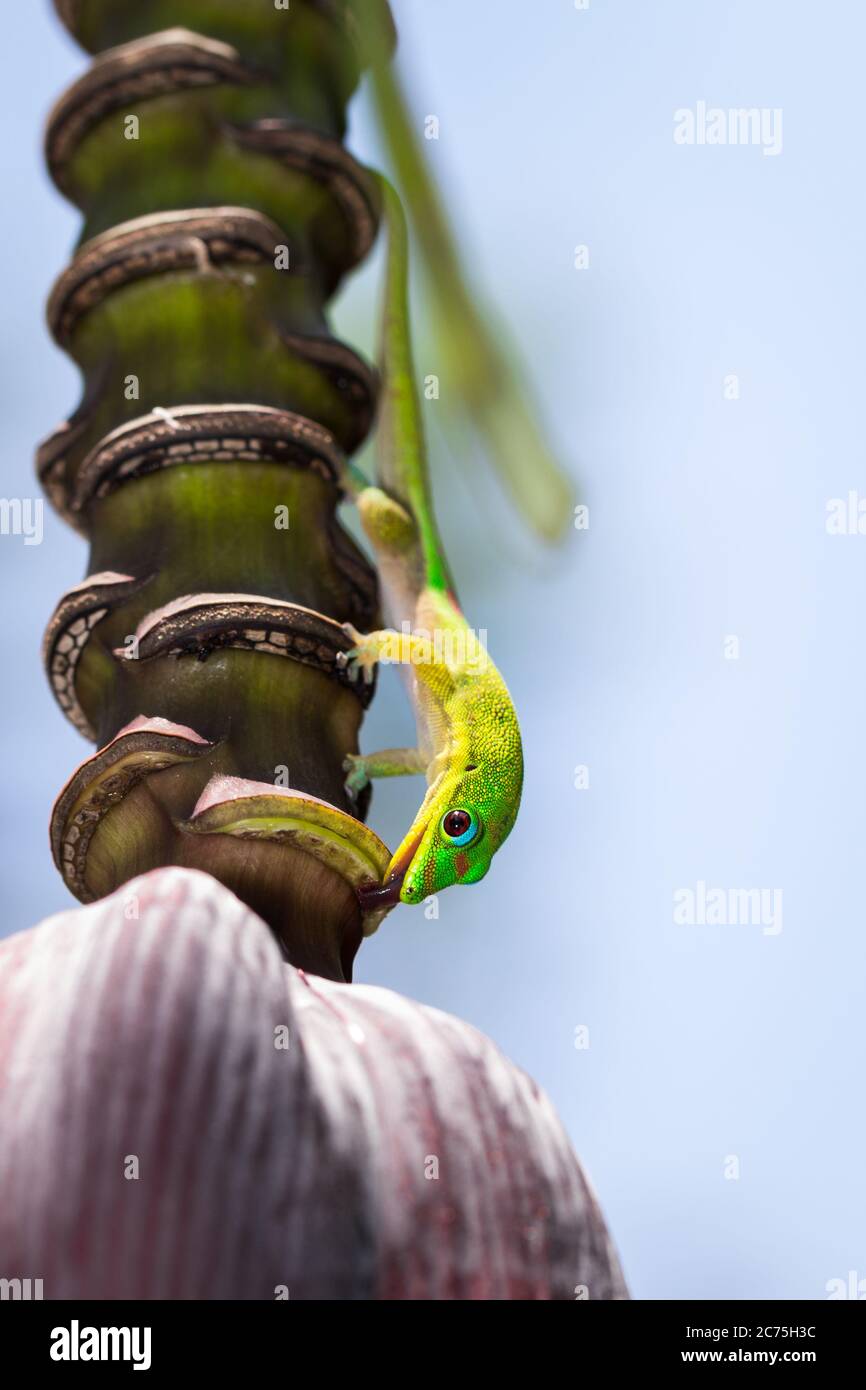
pixel 388 894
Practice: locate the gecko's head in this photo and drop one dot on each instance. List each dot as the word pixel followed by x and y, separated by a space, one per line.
pixel 455 835
pixel 454 846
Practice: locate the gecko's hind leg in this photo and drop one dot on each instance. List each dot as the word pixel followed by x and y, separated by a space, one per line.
pixel 387 524
pixel 389 762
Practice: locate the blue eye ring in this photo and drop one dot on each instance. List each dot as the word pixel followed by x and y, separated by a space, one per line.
pixel 460 827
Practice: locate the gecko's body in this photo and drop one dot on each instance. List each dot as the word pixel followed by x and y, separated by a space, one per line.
pixel 469 745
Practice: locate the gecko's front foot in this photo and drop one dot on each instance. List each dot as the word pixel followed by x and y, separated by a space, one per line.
pixel 363 655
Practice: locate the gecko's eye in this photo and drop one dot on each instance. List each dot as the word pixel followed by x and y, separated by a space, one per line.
pixel 460 827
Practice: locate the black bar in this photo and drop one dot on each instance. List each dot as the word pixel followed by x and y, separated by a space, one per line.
pixel 232 1338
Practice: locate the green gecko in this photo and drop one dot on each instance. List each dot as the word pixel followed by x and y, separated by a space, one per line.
pixel 469 744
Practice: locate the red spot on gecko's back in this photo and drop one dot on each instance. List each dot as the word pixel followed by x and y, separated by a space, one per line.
pixel 461 864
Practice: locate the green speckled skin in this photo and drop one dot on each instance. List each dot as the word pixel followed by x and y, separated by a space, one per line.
pixel 469 736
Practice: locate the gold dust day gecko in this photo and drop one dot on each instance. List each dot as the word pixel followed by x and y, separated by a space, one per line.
pixel 469 744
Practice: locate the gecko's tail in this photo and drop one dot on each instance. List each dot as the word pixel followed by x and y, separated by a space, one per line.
pixel 486 386
pixel 402 464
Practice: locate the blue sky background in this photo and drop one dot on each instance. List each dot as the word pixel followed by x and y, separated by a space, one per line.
pixel 707 520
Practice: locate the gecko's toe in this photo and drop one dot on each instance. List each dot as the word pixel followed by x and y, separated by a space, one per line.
pixel 361 659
